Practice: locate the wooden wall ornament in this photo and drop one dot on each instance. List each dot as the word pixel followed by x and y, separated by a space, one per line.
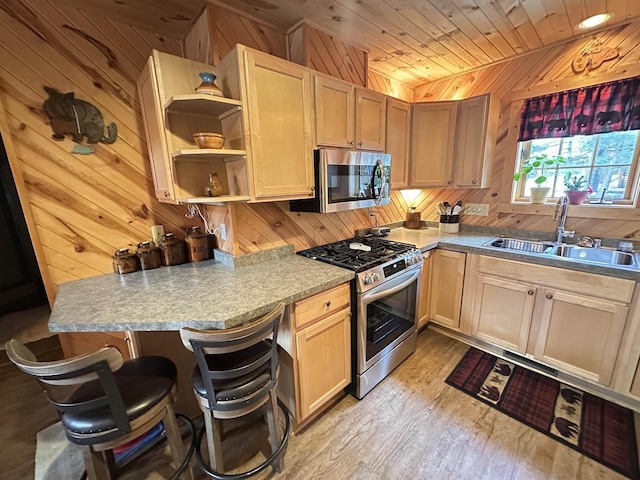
pixel 592 56
pixel 76 118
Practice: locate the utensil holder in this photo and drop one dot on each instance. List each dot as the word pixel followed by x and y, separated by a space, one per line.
pixel 449 223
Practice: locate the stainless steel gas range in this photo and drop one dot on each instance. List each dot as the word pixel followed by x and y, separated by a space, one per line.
pixel 384 303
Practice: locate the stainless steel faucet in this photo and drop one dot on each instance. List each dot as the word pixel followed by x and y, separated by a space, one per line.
pixel 560 214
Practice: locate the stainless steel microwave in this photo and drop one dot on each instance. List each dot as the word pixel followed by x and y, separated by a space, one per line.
pixel 347 179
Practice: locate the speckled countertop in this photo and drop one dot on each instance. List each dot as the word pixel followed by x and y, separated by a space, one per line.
pixel 207 294
pixel 474 242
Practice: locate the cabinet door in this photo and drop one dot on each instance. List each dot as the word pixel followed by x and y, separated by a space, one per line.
pixel 580 335
pixel 398 137
pixel 153 115
pixel 471 136
pixel 335 112
pixel 425 288
pixel 446 287
pixel 324 361
pixel 370 119
pixel 279 112
pixel 502 312
pixel 433 127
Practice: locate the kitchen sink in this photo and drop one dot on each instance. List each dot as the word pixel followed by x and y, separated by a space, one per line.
pixel 603 256
pixel 519 245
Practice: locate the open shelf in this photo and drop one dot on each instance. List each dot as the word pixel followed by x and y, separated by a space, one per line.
pixel 220 199
pixel 204 154
pixel 201 104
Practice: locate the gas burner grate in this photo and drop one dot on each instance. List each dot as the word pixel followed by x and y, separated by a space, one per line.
pixel 342 255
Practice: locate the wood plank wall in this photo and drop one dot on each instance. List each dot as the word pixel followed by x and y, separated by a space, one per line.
pixel 84 206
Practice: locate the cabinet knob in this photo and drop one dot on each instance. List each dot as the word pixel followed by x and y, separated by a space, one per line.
pixel 352 143
pixel 449 182
pixel 530 292
pixel 360 144
pixel 474 181
pixel 328 304
pixel 549 296
pixel 166 194
pixel 312 188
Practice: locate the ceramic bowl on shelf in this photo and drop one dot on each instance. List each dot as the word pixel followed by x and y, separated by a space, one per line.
pixel 208 140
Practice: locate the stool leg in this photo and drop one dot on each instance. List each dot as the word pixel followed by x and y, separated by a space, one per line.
pixel 174 439
pixel 98 465
pixel 214 442
pixel 271 411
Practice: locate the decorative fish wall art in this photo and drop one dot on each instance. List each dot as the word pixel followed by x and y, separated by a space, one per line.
pixel 76 118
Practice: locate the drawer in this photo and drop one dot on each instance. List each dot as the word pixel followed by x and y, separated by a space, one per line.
pixel 322 304
pixel 590 284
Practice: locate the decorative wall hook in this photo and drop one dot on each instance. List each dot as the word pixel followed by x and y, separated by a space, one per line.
pixel 76 118
pixel 592 56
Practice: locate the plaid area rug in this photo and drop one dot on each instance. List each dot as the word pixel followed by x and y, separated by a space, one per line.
pixel 594 427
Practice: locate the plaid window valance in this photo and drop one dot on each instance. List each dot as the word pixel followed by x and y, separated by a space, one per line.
pixel 607 107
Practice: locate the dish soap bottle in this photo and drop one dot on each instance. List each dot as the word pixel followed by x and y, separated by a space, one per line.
pixel 213 188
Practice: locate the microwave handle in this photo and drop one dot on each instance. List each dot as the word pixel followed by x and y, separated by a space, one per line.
pixel 383 181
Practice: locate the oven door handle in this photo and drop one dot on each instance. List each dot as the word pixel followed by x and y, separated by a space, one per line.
pixel 372 296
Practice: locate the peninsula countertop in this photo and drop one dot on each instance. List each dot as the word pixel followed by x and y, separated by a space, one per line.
pixel 206 294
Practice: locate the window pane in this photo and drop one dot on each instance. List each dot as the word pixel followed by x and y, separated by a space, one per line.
pixel 614 179
pixel 550 146
pixel 572 173
pixel 616 148
pixel 578 150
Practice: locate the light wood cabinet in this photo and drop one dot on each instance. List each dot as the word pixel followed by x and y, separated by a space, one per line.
pixel 502 312
pixel 398 141
pixel 348 116
pixel 277 95
pixel 452 143
pixel 172 113
pixel 445 293
pixel 315 356
pixel 425 288
pixel 544 313
pixel 580 334
pixel 432 144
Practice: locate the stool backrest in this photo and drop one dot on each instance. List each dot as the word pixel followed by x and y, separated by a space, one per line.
pixel 206 344
pixel 96 366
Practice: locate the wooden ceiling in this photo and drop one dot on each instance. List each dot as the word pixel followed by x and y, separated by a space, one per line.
pixel 414 41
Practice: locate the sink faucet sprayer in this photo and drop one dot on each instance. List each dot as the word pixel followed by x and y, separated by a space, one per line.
pixel 560 214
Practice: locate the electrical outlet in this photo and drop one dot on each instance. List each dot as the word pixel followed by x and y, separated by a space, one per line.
pixel 480 209
pixel 157 231
pixel 223 231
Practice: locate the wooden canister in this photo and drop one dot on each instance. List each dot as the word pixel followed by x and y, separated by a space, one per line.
pixel 197 245
pixel 149 255
pixel 125 262
pixel 412 219
pixel 173 250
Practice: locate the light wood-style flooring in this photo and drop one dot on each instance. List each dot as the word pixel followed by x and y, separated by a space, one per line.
pixel 412 425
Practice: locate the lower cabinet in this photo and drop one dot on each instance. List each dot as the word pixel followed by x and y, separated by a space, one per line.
pixel 445 287
pixel 544 313
pixel 315 353
pixel 425 288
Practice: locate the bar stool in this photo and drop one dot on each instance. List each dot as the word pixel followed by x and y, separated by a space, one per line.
pixel 236 374
pixel 105 402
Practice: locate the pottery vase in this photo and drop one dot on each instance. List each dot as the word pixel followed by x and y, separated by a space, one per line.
pixel 539 194
pixel 576 197
pixel 208 85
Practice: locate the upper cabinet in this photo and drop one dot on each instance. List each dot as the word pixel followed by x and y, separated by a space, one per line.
pixel 277 99
pixel 348 116
pixel 397 140
pixel 172 114
pixel 452 143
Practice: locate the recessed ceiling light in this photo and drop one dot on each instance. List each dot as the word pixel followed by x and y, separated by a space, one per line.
pixel 595 20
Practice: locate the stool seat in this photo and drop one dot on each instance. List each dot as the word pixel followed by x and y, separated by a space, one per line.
pixel 142 382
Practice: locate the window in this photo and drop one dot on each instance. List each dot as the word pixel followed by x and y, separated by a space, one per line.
pixel 607 161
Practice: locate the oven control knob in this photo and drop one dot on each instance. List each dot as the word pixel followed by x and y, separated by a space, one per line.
pixel 367 279
pixel 410 261
pixel 376 277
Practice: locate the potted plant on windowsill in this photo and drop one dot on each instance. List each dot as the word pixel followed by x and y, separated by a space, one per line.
pixel 542 165
pixel 575 188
